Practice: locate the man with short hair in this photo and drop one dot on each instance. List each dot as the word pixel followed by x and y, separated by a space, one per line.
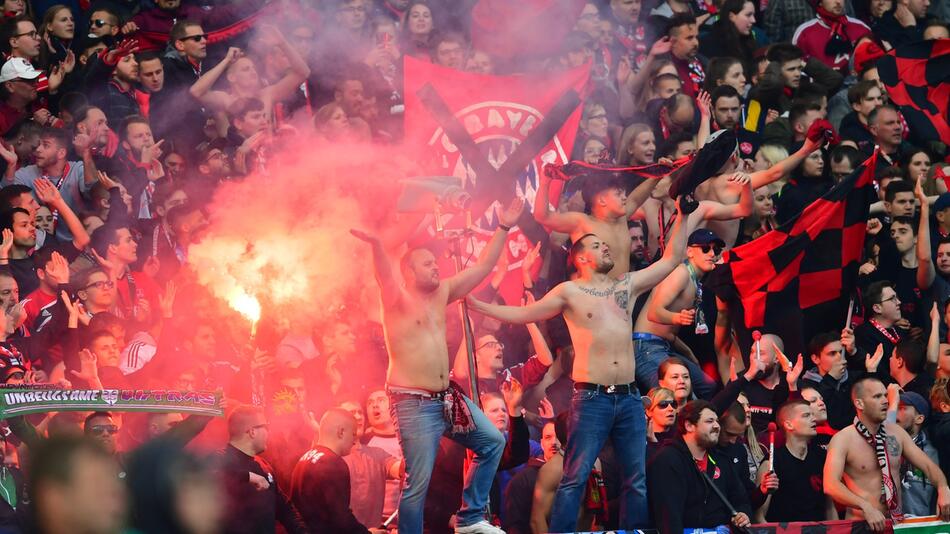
pixel 862 471
pixel 175 115
pixel 918 494
pixel 152 79
pixel 829 36
pixel 864 97
pixel 799 464
pixel 680 472
pixel 783 79
pixel 904 24
pixel 370 468
pixel 883 325
pixel 248 135
pixel 139 166
pixel 675 302
pixel 844 160
pixel 18 81
pixel 320 487
pixel 684 50
pixel 449 50
pixel 381 434
pixel 112 81
pixel 75 487
pixel 887 128
pixel 254 502
pixel 72 179
pixel 830 377
pixel 907 368
pixel 597 309
pixel 136 292
pixel 104 22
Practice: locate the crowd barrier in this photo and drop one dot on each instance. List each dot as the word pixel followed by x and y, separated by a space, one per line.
pixel 917 525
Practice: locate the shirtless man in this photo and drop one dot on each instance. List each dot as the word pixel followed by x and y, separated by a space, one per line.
pixel 418 376
pixel 610 207
pixel 606 402
pixel 722 189
pixel 854 475
pixel 676 302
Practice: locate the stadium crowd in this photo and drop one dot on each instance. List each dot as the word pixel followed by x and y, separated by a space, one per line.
pixel 621 393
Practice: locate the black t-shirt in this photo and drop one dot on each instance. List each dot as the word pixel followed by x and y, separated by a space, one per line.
pixel 912 302
pixel 764 403
pixel 800 495
pixel 320 489
pixel 24 269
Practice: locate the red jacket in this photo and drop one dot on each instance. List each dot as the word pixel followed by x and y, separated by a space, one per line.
pixel 813 35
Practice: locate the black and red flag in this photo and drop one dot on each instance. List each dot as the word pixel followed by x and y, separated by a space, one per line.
pixel 845 526
pixel 790 282
pixel 917 78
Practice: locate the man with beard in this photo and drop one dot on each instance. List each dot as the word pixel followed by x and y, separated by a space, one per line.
pixel 490 365
pixel 677 301
pixel 606 403
pixel 370 468
pixel 862 472
pixel 111 80
pixel 140 163
pixel 73 179
pixel 425 403
pixel 679 475
pixel 638 245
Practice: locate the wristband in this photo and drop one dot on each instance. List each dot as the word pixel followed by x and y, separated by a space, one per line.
pixel 505 228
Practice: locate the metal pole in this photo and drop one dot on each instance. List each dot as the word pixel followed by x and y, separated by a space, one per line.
pixel 467 331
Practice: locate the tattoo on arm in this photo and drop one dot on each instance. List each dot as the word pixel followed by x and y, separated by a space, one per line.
pixel 893 447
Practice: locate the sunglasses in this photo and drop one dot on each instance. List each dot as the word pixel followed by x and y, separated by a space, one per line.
pixel 717 249
pixel 492 345
pixel 103 284
pixel 196 38
pixel 664 404
pixel 98 23
pixel 101 430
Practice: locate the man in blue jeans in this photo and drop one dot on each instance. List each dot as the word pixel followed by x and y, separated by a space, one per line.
pixel 425 405
pixel 677 301
pixel 606 403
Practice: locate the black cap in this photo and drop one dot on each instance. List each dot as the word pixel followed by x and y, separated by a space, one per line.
pixel 702 236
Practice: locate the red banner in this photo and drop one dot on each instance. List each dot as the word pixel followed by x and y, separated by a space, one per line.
pixel 495 133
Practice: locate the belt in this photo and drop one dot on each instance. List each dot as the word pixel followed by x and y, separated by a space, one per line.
pixel 613 389
pixel 404 393
pixel 646 336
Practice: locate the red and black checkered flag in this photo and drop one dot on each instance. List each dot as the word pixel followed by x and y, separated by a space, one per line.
pixel 917 77
pixel 796 275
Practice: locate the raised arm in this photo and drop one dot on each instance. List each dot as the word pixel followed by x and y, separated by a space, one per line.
pixel 202 89
pixel 787 165
pixel 660 269
pixel 298 73
pixel 710 210
pixel 639 195
pixel 704 105
pixel 464 282
pixel 550 305
pixel 49 195
pixel 925 264
pixel 388 286
pixel 551 220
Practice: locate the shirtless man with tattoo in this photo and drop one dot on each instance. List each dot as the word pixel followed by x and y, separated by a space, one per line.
pixel 606 402
pixel 418 376
pixel 862 470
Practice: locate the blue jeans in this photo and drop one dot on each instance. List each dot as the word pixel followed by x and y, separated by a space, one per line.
pixel 595 417
pixel 420 424
pixel 650 351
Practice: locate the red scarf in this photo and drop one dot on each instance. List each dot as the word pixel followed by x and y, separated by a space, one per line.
pixel 836 22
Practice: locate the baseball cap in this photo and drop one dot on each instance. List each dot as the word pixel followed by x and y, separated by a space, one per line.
pixel 703 236
pixel 18 68
pixel 942 202
pixel 917 401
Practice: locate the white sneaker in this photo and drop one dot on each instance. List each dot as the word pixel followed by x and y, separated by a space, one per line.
pixel 482 527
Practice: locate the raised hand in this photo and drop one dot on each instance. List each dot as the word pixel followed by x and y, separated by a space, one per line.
pixel 151 266
pixel 794 372
pixel 546 409
pixel 46 192
pixel 871 361
pixel 166 301
pixel 6 244
pixel 530 258
pixel 234 54
pixel 662 46
pixel 704 103
pixel 106 182
pixel 920 195
pixel 8 154
pixel 124 48
pixel 510 216
pixel 740 178
pixel 847 340
pixel 152 152
pixel 42 116
pixel 57 269
pixel 364 236
pixel 88 370
pixel 69 63
pixel 82 143
pixel 512 391
pixel 73 308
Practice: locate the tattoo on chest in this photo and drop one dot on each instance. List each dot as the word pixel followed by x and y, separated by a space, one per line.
pixel 622 298
pixel 600 293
